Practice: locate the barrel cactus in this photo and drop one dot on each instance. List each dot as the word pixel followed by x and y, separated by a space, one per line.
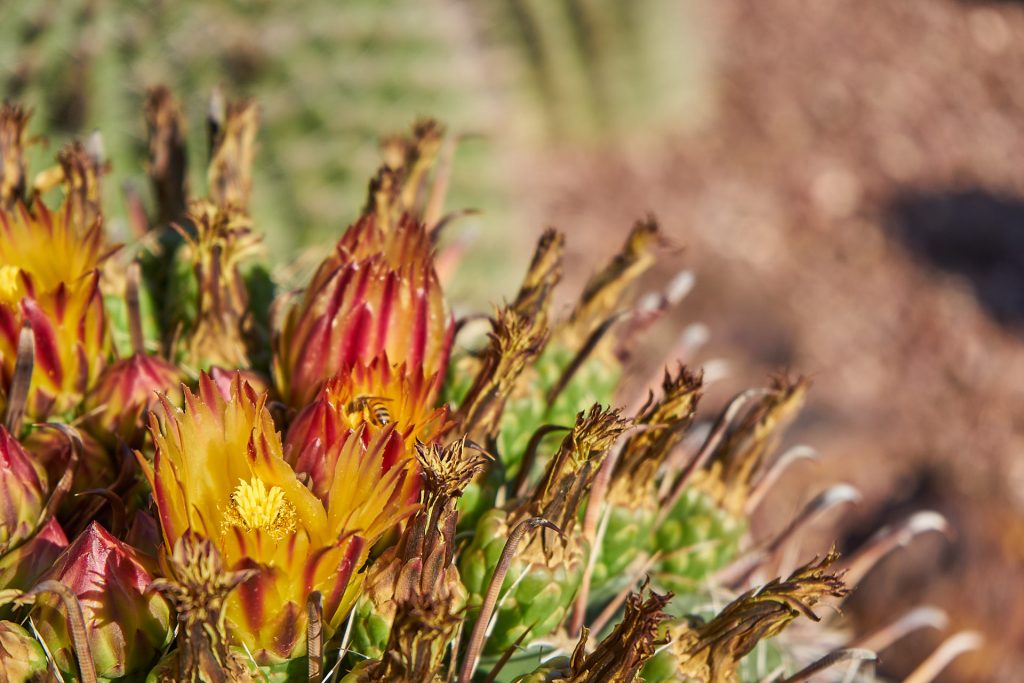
pixel 208 477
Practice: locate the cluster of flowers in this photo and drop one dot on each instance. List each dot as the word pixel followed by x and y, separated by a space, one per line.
pixel 313 485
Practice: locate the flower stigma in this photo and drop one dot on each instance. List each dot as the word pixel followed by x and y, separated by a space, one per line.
pixel 255 507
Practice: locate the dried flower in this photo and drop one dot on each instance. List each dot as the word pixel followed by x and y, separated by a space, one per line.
pixel 710 652
pixel 13 124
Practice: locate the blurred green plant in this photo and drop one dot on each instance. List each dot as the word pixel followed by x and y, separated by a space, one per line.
pixel 331 77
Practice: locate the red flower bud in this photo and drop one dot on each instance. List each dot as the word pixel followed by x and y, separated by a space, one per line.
pixel 127 625
pixel 376 295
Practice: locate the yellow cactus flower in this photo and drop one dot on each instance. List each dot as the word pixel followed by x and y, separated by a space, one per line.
pixel 219 472
pixel 49 277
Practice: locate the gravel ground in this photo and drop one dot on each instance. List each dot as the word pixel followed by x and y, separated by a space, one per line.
pixel 854 208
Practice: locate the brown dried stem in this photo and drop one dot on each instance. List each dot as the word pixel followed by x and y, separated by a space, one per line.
pixel 22 380
pixel 490 600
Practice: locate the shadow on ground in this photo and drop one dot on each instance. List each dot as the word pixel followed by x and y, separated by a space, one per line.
pixel 976 234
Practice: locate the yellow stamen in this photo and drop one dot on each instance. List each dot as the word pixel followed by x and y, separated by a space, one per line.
pixel 254 507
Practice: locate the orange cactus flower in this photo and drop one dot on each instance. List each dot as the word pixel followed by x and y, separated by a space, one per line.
pixel 376 294
pixel 219 472
pixel 392 405
pixel 49 277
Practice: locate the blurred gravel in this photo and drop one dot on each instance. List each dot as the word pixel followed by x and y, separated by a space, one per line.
pixel 854 209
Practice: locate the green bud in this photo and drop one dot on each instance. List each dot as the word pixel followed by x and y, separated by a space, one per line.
pixel 21 658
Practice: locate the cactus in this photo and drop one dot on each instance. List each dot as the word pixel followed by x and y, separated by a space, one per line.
pixel 330 79
pixel 332 494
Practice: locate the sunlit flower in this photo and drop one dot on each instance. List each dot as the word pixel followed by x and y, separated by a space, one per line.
pixel 123 392
pixel 219 472
pixel 396 409
pixel 49 278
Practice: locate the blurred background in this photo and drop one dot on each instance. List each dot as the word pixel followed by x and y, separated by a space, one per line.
pixel 844 177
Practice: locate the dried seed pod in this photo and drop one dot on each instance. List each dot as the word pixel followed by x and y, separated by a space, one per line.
pixel 632 492
pixel 418 576
pixel 13 140
pixel 220 325
pixel 709 652
pixel 232 150
pixel 168 154
pixel 198 585
pixel 546 573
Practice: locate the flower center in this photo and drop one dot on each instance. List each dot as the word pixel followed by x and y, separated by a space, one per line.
pixel 255 507
pixel 10 285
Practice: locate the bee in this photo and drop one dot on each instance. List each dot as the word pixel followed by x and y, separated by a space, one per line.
pixel 371 408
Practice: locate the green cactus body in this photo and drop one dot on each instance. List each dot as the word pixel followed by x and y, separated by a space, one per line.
pixel 119 325
pixel 370 630
pixel 458 378
pixel 182 304
pixel 526 411
pixel 262 291
pixel 358 672
pixel 767 657
pixel 533 596
pixel 372 623
pixel 661 668
pixel 696 539
pixel 594 382
pixel 539 676
pixel 291 670
pixel 479 559
pixel 627 536
pixel 479 497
